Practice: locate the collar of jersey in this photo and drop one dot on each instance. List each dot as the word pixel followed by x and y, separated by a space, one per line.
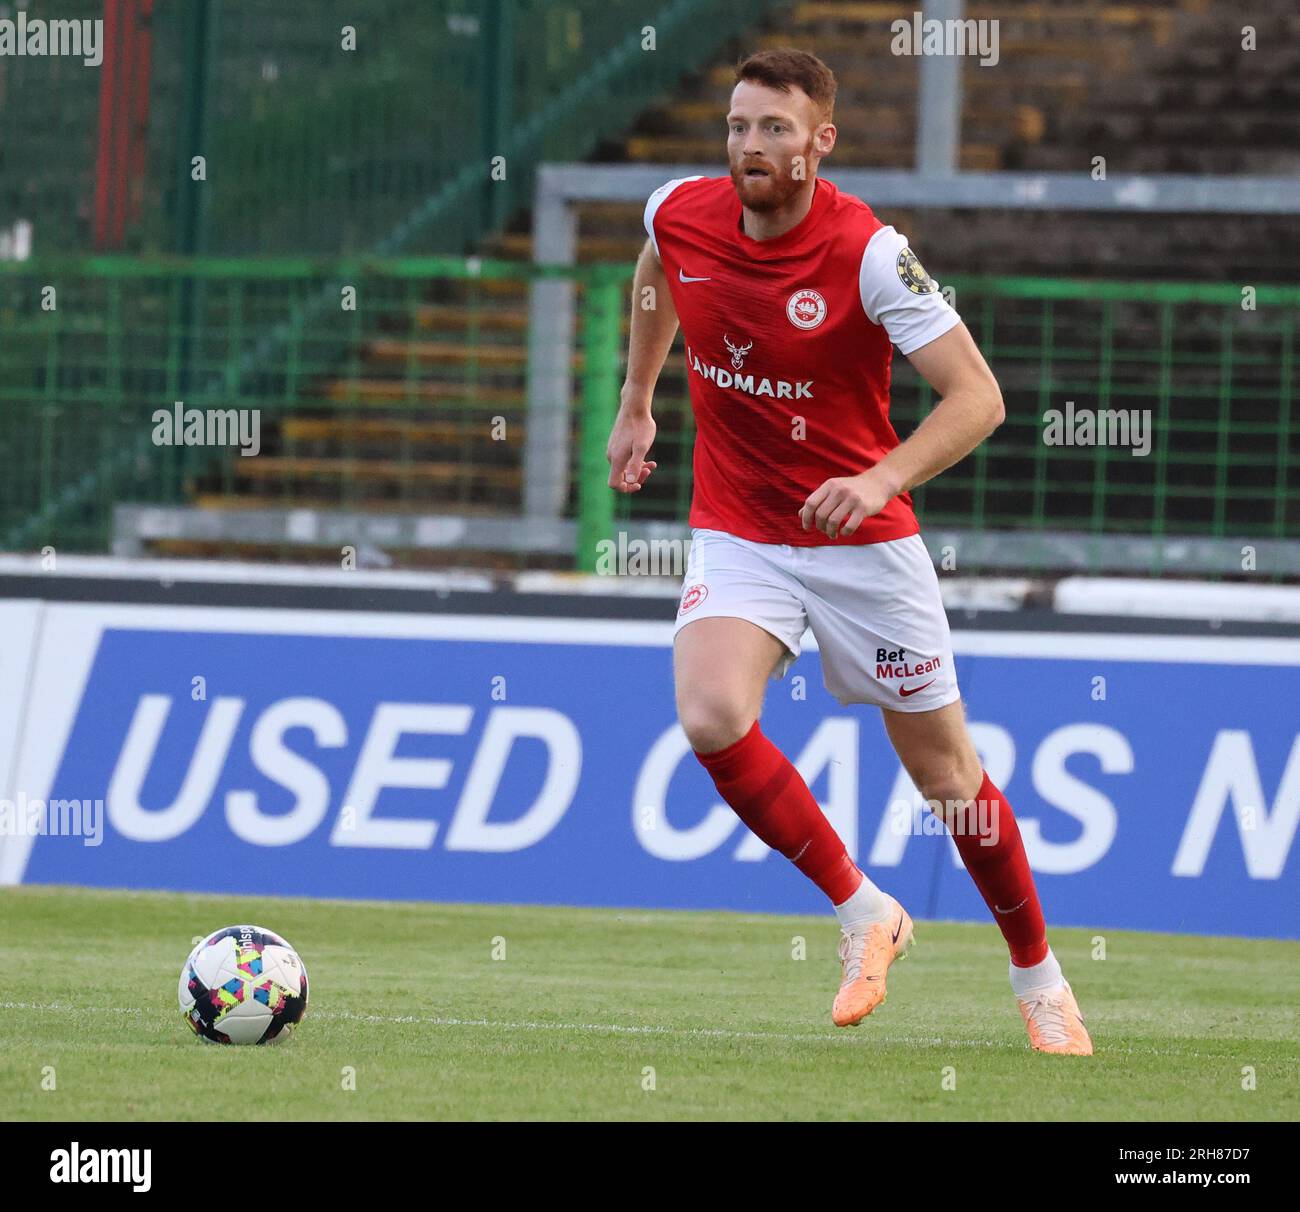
pixel 764 250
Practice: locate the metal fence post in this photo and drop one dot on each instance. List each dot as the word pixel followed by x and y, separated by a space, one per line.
pixel 600 337
pixel 190 233
pixel 938 122
pixel 497 106
pixel 550 355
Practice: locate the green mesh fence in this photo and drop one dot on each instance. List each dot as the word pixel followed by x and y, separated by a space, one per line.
pixel 329 127
pixel 1212 382
pixel 381 385
pixel 400 386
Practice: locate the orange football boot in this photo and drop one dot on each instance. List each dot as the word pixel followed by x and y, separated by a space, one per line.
pixel 1055 1024
pixel 866 951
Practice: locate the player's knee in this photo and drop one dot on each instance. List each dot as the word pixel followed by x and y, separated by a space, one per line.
pixel 713 724
pixel 945 786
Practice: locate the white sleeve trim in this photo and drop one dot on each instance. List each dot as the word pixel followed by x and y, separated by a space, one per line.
pixel 910 319
pixel 657 200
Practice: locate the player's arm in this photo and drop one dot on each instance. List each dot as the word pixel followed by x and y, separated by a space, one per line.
pixel 899 295
pixel 654 325
pixel 969 409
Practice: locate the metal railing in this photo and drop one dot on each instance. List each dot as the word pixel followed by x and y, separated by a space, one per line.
pixel 406 393
pixel 406 397
pixel 1135 410
pixel 417 132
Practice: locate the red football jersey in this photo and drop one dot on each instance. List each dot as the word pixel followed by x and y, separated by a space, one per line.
pixel 788 348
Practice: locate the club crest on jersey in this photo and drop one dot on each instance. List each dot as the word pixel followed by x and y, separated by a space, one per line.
pixel 692 597
pixel 738 352
pixel 912 274
pixel 805 308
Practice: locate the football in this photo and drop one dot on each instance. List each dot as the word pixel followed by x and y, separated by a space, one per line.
pixel 243 985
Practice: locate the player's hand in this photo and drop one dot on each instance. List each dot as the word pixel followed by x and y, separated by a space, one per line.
pixel 839 506
pixel 629 443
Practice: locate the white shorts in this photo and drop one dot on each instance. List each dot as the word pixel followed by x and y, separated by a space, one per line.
pixel 874 609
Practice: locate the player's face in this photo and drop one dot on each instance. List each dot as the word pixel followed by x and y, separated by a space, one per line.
pixel 771 144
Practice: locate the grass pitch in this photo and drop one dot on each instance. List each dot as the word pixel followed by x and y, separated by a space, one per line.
pixel 607 1014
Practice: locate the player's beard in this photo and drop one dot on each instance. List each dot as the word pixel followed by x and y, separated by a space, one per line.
pixel 775 191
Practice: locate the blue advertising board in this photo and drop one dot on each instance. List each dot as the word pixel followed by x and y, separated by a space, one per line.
pixel 1156 779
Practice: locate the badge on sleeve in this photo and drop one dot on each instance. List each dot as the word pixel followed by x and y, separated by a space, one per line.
pixel 912 274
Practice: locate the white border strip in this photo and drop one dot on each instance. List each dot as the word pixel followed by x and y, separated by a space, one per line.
pixel 1111 596
pixel 1063 645
pixel 1178 599
pixel 225 572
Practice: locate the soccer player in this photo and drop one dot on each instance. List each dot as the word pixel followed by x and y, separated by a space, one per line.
pixel 791 296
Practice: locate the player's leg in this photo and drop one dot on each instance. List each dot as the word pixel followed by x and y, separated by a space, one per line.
pixel 721 666
pixel 740 622
pixel 879 621
pixel 936 749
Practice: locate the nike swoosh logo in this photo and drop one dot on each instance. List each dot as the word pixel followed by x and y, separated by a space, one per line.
pixel 898 929
pixel 904 693
pixel 681 277
pixel 999 909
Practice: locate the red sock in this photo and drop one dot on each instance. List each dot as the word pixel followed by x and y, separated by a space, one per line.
pixel 1001 873
pixel 769 795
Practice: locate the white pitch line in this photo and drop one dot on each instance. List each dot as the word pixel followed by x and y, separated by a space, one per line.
pixel 621 1029
pixel 853 1038
pixel 59 1007
pixel 500 1025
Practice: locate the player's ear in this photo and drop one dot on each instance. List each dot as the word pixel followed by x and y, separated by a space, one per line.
pixel 824 138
